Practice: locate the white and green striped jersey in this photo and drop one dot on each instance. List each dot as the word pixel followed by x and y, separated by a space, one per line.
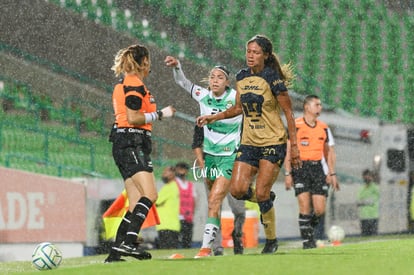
pixel 221 138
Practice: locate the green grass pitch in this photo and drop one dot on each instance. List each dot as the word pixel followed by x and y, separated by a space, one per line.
pixel 389 255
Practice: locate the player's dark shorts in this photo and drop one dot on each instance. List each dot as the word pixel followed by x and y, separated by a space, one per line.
pixel 253 154
pixel 131 151
pixel 310 178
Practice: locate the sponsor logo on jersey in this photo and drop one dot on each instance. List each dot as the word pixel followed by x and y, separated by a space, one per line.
pixel 251 88
pixel 277 82
pixel 261 126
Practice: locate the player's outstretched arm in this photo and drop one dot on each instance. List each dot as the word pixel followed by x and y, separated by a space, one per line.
pixel 178 73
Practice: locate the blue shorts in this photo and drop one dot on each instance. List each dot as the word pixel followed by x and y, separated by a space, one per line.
pixel 253 154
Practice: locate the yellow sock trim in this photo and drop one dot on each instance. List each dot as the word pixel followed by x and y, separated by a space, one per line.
pixel 253 198
pixel 269 223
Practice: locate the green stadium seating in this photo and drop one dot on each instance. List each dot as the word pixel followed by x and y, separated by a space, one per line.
pixel 356 55
pixel 339 43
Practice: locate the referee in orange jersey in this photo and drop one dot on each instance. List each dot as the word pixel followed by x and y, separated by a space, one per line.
pixel 135 111
pixel 310 182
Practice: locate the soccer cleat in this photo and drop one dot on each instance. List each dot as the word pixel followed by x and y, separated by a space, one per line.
pixel 133 251
pixel 113 256
pixel 237 243
pixel 309 244
pixel 111 259
pixel 270 246
pixel 218 251
pixel 204 252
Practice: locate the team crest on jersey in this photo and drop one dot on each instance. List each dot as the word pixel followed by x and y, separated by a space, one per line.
pixel 229 104
pixel 152 99
pixel 197 92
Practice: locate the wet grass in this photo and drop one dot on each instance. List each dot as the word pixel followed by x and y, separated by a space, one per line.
pixel 379 255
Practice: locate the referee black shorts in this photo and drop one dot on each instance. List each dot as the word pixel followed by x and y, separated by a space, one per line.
pixel 310 178
pixel 131 153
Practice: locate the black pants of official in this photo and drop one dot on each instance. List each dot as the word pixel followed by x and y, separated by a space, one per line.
pixel 167 239
pixel 369 227
pixel 186 234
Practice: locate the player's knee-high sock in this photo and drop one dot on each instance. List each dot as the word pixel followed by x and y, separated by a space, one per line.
pixel 137 219
pixel 315 220
pixel 305 227
pixel 217 241
pixel 210 231
pixel 120 235
pixel 268 219
pixel 123 228
pixel 238 223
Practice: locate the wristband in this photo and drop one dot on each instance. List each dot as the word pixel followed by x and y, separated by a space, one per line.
pixel 159 113
pixel 149 117
pixel 333 174
pixel 287 173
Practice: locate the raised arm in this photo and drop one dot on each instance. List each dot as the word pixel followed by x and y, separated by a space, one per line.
pixel 178 73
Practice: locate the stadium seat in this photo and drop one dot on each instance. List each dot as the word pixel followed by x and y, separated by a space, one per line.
pixel 357 37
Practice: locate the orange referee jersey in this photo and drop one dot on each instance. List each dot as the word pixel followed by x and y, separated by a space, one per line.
pixel 131 85
pixel 311 140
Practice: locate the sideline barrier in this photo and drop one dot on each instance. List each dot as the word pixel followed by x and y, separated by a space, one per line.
pixel 250 229
pixel 36 208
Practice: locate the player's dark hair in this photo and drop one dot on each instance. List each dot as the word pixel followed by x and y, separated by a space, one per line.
pixel 309 98
pixel 285 71
pixel 267 47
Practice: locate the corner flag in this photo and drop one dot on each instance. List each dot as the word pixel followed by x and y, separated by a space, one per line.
pixel 113 216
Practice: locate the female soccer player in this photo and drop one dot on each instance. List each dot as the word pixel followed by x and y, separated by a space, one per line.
pixel 221 140
pixel 261 93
